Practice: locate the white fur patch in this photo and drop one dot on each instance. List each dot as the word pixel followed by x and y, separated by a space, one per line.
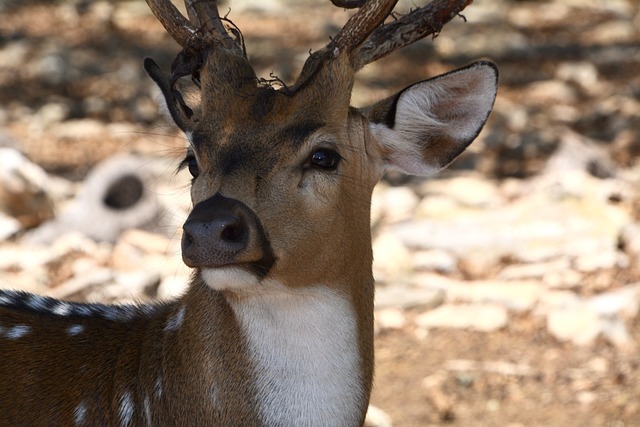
pixel 79 414
pixel 147 410
pixel 304 345
pixel 126 409
pixel 74 330
pixel 158 388
pixel 62 308
pixel 16 332
pixel 176 320
pixel 229 278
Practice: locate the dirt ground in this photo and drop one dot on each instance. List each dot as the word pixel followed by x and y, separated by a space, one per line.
pixel 81 59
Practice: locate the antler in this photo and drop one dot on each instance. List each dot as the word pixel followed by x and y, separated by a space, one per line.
pixel 366 38
pixel 203 26
pixel 417 24
pixel 361 24
pixel 178 27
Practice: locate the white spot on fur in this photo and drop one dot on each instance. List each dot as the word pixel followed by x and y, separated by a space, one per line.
pixel 304 345
pixel 62 308
pixel 147 410
pixel 79 414
pixel 126 409
pixel 176 320
pixel 17 331
pixel 37 302
pixel 158 388
pixel 7 299
pixel 74 330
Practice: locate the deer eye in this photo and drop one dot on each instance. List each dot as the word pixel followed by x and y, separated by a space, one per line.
pixel 325 158
pixel 190 163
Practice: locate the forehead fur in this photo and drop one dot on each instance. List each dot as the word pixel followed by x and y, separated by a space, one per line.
pixel 231 93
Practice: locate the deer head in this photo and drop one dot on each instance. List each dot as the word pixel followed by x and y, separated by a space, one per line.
pixel 298 164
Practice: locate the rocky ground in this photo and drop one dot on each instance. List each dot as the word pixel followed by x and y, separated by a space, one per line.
pixel 508 287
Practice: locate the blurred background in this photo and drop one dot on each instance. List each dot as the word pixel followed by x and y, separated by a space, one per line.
pixel 508 287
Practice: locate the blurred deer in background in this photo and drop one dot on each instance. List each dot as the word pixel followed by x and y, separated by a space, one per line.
pixel 276 328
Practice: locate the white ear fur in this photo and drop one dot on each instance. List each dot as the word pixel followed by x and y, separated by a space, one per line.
pixel 435 120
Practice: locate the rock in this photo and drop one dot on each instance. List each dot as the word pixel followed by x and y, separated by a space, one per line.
pixel 8 226
pixel 591 262
pixel 117 195
pixel 434 260
pixel 48 115
pixel 172 287
pixel 576 152
pixel 630 240
pixel 376 417
pixel 469 190
pixel 79 128
pixel 555 299
pixel 544 224
pixel 585 74
pixel 427 280
pixel 23 189
pixel 390 318
pixel 536 270
pixel 52 65
pixel 434 386
pixel 148 242
pixel 80 286
pixel 615 331
pixel 577 323
pixel 74 243
pixel 563 279
pixel 623 302
pixel 400 296
pixel 436 206
pixel 396 203
pixel 391 257
pixel 140 282
pixel 551 92
pixel 479 317
pixel 500 367
pixel 514 295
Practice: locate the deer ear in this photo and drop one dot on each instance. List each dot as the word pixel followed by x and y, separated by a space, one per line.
pixel 180 112
pixel 424 127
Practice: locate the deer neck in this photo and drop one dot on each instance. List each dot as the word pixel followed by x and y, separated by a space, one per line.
pixel 302 363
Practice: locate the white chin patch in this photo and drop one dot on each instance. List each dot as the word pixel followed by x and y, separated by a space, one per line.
pixel 228 278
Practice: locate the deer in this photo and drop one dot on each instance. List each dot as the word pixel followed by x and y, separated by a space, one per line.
pixel 277 325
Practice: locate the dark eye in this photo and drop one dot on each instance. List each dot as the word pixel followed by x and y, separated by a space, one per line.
pixel 325 158
pixel 191 163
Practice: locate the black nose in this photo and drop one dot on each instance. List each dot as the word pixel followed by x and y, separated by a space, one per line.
pixel 222 231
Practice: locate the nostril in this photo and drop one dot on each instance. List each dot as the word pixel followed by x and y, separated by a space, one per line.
pixel 234 232
pixel 186 237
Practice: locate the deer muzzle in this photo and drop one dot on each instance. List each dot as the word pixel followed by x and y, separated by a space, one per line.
pixel 221 231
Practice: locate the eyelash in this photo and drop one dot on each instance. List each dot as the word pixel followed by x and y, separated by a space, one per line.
pixel 190 163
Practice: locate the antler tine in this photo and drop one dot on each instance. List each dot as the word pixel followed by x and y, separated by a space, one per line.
pixel 203 19
pixel 415 25
pixel 371 14
pixel 178 27
pixel 204 15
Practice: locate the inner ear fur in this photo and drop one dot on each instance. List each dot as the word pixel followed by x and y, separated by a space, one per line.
pixel 424 127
